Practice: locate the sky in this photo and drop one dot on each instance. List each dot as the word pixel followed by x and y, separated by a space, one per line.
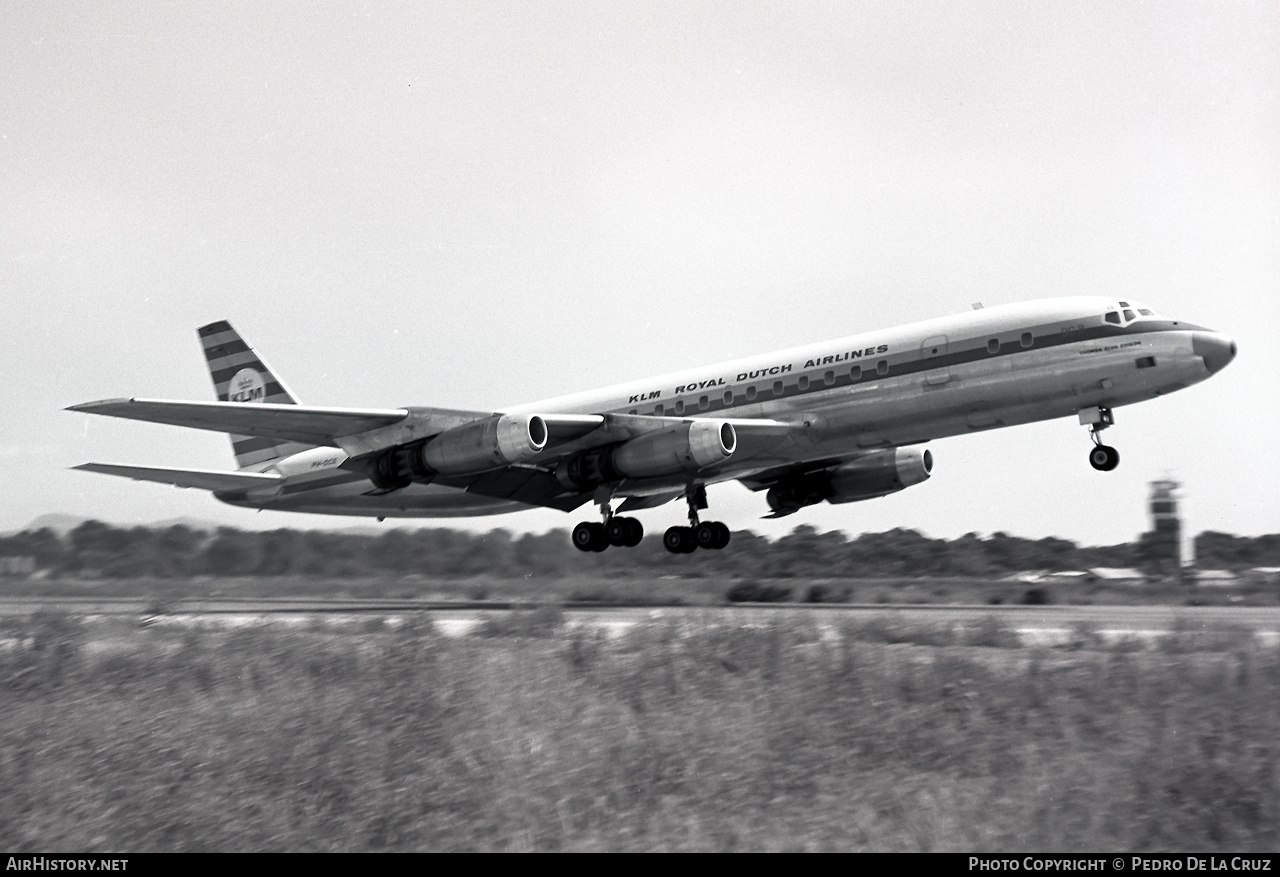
pixel 481 204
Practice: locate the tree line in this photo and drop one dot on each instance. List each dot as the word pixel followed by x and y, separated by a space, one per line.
pixel 95 549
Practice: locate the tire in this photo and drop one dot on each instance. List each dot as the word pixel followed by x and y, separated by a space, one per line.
pixel 708 535
pixel 635 532
pixel 589 536
pixel 679 540
pixel 1104 458
pixel 723 530
pixel 582 537
pixel 617 530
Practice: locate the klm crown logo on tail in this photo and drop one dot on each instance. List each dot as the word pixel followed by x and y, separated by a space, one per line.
pixel 240 375
pixel 247 386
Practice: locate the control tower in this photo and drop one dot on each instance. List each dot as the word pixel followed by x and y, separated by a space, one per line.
pixel 1164 542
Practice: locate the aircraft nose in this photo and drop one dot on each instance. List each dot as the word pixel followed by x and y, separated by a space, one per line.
pixel 1214 348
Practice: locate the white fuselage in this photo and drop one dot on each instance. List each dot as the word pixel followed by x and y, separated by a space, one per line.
pixel 964 373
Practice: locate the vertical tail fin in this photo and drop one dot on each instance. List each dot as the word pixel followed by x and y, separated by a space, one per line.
pixel 240 375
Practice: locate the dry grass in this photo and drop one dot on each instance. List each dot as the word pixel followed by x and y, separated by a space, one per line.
pixel 796 734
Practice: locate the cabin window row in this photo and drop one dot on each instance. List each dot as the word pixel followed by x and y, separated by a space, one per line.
pixel 829 378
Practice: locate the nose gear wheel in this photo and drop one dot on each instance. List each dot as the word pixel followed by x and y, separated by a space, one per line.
pixel 1102 457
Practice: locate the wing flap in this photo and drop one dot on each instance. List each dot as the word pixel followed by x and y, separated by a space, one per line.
pixel 202 479
pixel 531 486
pixel 298 423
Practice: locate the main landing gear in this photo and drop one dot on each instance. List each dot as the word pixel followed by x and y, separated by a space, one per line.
pixel 1104 458
pixel 707 534
pixel 627 532
pixel 622 532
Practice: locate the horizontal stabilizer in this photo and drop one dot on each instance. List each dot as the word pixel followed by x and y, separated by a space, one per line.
pixel 198 478
pixel 296 423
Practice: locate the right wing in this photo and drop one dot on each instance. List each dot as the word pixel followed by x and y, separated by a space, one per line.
pixel 534 482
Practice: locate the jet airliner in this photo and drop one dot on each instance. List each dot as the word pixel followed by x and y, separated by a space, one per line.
pixel 835 422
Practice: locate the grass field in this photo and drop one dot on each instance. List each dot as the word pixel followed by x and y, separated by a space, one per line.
pixel 801 734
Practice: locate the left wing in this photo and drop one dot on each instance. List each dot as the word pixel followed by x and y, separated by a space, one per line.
pixel 296 423
pixel 364 433
pixel 203 479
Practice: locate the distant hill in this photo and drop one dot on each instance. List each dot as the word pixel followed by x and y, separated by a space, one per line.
pixel 60 524
pixel 64 524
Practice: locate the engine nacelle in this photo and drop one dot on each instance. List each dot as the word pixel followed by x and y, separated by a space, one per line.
pixel 485 444
pixel 684 448
pixel 473 447
pixel 877 473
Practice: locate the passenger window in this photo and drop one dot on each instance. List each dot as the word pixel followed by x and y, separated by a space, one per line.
pixel 856 372
pixel 633 411
pixel 728 397
pixel 1146 362
pixel 803 383
pixel 657 409
pixel 1113 317
pixel 882 367
pixel 777 388
pixel 993 346
pixel 704 403
pixel 1129 315
pixel 751 394
pixel 829 378
pixel 680 407
pixel 1028 339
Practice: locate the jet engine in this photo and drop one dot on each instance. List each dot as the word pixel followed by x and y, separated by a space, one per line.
pixel 485 444
pixel 684 448
pixel 877 473
pixel 473 447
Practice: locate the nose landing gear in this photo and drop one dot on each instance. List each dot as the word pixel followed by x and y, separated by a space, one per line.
pixel 1104 458
pixel 705 534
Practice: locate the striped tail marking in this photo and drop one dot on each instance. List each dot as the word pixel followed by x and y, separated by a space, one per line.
pixel 240 375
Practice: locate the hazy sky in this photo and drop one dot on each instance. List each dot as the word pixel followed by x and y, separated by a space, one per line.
pixel 479 204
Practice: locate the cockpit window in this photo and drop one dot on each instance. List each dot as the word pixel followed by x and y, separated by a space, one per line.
pixel 1129 315
pixel 1113 317
pixel 1146 312
pixel 1124 304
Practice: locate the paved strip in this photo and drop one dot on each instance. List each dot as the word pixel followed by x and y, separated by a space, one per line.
pixel 1044 617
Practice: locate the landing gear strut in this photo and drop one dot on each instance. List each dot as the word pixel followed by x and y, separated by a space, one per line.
pixel 614 530
pixel 705 534
pixel 1104 458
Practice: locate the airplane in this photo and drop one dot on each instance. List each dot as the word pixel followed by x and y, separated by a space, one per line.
pixel 839 421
